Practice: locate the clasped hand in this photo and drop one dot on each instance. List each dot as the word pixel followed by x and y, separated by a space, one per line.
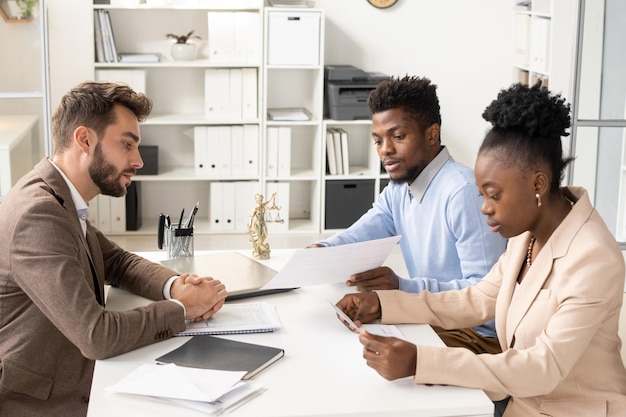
pixel 391 357
pixel 201 296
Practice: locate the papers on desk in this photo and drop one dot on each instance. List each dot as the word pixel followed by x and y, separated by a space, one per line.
pixel 237 319
pixel 209 390
pixel 332 264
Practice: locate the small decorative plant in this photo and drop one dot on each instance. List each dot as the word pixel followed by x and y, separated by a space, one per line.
pixel 183 38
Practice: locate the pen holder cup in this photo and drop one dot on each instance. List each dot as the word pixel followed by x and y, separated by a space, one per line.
pixel 179 242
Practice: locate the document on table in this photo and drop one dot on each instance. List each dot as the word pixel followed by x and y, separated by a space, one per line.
pixel 207 390
pixel 332 264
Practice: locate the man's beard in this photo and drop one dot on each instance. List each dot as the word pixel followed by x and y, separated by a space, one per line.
pixel 105 175
pixel 409 177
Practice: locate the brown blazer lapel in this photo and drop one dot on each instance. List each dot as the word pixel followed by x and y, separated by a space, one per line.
pixel 95 258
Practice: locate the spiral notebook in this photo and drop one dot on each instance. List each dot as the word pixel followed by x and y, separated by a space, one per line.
pixel 237 319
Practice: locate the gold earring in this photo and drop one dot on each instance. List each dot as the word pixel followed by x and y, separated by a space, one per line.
pixel 538 197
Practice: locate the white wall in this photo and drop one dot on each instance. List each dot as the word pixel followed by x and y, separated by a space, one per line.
pixel 463 47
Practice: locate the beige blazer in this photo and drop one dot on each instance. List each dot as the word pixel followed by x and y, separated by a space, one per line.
pixel 51 326
pixel 558 329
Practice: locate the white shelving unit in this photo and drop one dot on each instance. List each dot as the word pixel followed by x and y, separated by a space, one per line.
pixel 289 74
pixel 545 34
pixel 294 78
pixel 177 89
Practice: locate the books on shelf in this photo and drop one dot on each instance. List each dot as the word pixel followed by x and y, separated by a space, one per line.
pixel 210 352
pixel 337 153
pixel 106 50
pixel 237 319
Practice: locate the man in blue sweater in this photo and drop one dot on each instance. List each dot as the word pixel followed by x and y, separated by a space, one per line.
pixel 431 201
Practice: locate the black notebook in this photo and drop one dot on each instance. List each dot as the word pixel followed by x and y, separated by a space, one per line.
pixel 210 352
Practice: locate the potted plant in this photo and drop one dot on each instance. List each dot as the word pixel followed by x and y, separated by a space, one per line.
pixel 182 50
pixel 18 9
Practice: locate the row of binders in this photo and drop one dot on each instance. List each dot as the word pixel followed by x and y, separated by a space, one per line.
pixel 234 37
pixel 226 151
pixel 278 151
pixel 231 204
pixel 231 93
pixel 337 156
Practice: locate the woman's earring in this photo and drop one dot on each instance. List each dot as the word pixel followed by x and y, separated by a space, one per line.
pixel 538 197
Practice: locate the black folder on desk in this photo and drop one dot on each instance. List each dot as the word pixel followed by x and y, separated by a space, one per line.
pixel 242 276
pixel 209 352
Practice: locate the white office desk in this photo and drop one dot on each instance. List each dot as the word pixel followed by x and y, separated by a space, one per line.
pixel 322 373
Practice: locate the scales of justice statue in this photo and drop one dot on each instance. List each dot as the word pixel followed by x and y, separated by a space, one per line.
pixel 257 227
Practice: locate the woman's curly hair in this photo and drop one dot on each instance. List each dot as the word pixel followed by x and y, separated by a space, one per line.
pixel 527 126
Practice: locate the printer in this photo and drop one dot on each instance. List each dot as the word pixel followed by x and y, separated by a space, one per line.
pixel 346 90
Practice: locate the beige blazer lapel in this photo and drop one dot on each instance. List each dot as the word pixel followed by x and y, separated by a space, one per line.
pixel 527 291
pixel 506 291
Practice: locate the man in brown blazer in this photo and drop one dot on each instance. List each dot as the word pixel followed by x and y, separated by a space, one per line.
pixel 54 263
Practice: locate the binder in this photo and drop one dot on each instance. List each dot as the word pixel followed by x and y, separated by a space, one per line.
pixel 237 151
pixel 246 43
pixel 210 352
pixel 235 94
pixel 216 93
pixel 338 154
pixel 98 37
pixel 220 147
pixel 284 151
pixel 216 208
pixel 221 36
pixel 228 206
pixel 272 152
pixel 249 89
pixel 330 152
pixel 251 151
pixel 200 150
pixel 345 157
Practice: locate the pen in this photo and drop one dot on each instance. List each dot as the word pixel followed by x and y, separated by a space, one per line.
pixel 189 221
pixel 345 318
pixel 180 222
pixel 161 231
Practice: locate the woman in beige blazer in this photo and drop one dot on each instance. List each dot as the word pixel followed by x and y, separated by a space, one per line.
pixel 556 293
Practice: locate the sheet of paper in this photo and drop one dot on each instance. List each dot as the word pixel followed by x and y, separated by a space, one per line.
pixel 332 264
pixel 171 381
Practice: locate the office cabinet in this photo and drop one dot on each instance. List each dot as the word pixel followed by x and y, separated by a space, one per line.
pixel 348 146
pixel 346 201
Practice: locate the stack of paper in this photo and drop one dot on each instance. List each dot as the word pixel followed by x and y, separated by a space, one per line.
pixel 206 390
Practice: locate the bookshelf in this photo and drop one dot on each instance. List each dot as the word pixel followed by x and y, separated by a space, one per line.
pixel 206 151
pixel 544 43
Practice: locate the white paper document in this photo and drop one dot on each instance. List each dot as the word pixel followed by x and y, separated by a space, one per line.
pixel 332 264
pixel 178 382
